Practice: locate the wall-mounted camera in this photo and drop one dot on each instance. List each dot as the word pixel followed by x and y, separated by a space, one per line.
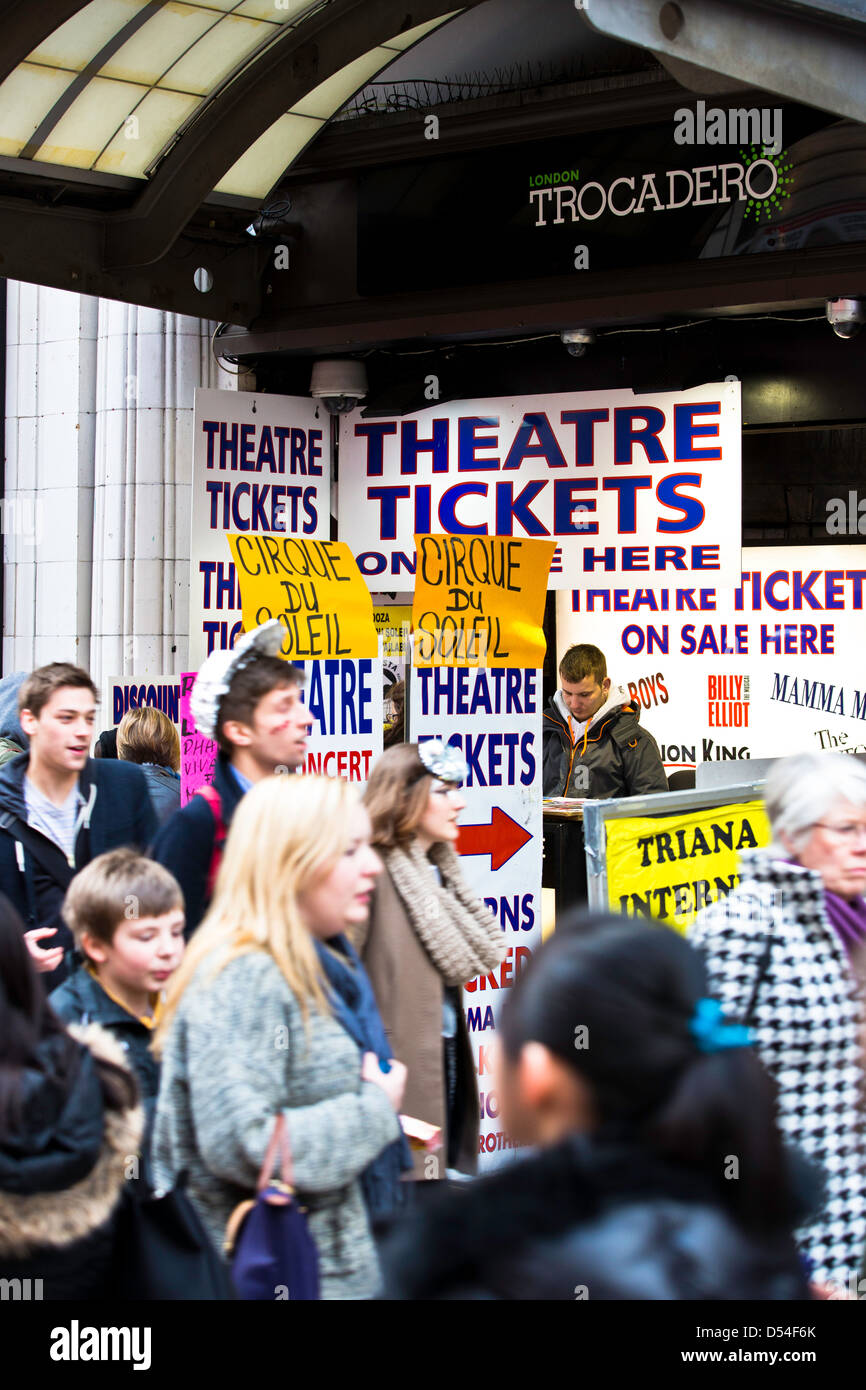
pixel 339 384
pixel 846 316
pixel 577 340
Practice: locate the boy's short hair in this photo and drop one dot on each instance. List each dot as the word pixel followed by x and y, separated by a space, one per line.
pixel 251 684
pixel 581 661
pixel 41 684
pixel 121 885
pixel 146 735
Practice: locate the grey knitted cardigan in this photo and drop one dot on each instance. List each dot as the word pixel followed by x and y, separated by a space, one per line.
pixel 237 1053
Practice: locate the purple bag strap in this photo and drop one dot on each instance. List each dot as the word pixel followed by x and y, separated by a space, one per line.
pixel 278 1142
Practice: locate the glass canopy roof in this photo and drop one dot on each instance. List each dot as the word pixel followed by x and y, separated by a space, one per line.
pixel 110 90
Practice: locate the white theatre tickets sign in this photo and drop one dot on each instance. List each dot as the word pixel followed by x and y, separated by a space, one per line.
pixel 635 490
pixel 493 716
pixel 771 666
pixel 261 468
pixel 345 699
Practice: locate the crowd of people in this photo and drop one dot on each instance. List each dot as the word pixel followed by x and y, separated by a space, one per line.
pixel 270 975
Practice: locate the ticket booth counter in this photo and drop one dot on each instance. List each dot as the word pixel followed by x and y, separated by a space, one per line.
pixel 564 864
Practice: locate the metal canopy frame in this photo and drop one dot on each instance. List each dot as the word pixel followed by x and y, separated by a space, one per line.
pixel 760 43
pixel 146 251
pixel 768 283
pixel 122 239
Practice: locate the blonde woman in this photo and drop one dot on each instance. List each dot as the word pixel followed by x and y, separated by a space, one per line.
pixel 271 1011
pixel 147 736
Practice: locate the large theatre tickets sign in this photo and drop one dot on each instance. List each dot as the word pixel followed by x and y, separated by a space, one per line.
pixel 633 489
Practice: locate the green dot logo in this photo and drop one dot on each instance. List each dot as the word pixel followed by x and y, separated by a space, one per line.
pixel 764 209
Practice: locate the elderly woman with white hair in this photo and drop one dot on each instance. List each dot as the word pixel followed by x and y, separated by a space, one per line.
pixel 782 952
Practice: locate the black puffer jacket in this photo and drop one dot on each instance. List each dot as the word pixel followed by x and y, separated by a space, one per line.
pixel 615 757
pixel 587 1220
pixel 62 1169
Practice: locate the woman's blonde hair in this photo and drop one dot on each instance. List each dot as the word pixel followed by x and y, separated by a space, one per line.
pixel 286 833
pixel 146 735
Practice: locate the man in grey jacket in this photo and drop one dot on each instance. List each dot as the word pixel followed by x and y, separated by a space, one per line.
pixel 593 745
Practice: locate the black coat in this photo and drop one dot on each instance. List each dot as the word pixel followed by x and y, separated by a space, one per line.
pixel 63 1171
pixel 121 815
pixel 185 843
pixel 617 758
pixel 586 1220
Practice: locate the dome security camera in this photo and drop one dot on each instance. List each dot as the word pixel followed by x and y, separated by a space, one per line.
pixel 846 316
pixel 577 340
pixel 339 384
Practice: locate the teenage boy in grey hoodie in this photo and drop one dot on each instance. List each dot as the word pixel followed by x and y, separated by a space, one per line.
pixel 593 745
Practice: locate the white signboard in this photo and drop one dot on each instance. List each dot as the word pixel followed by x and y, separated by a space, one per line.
pixel 123 693
pixel 635 489
pixel 494 717
pixel 772 667
pixel 346 698
pixel 261 465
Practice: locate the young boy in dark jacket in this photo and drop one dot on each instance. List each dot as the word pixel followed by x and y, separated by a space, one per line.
pixel 127 917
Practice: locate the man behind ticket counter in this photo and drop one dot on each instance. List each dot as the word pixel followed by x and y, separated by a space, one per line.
pixel 593 744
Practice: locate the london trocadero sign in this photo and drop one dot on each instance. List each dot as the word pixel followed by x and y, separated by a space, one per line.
pixel 560 196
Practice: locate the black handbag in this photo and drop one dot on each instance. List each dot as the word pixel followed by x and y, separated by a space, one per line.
pixel 162 1250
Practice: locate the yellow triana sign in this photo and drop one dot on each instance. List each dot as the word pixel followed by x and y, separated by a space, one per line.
pixel 479 600
pixel 315 589
pixel 669 867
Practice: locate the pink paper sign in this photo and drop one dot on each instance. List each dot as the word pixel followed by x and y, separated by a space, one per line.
pixel 197 753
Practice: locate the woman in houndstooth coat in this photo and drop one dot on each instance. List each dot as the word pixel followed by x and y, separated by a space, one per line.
pixel 782 952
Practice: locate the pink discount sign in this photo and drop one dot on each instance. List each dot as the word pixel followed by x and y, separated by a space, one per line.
pixel 197 753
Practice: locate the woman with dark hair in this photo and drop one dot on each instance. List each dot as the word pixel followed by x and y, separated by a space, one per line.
pixel 106 744
pixel 428 933
pixel 69 1120
pixel 659 1171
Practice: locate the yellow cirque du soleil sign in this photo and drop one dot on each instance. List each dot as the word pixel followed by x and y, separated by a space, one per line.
pixel 479 600
pixel 669 867
pixel 315 589
pixel 393 623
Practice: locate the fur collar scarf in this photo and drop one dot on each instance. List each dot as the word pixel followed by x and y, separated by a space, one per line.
pixel 55 1219
pixel 460 935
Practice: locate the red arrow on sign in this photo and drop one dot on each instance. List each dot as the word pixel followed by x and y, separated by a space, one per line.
pixel 501 839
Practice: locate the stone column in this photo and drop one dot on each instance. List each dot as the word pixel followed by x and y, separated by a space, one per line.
pixel 99 407
pixel 50 419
